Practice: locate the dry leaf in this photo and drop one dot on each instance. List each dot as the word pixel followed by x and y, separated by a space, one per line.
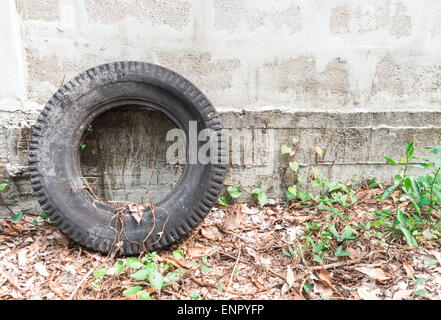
pixel 235 219
pixel 366 294
pixel 375 273
pixel 137 210
pixel 254 254
pixel 325 276
pixel 22 257
pixel 289 277
pixel 300 219
pixel 322 290
pixel 181 262
pixel 402 295
pixel 409 269
pixel 210 232
pixel 198 252
pixel 437 255
pixel 354 253
pixel 41 269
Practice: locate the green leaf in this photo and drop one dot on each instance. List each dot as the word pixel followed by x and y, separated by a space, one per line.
pixel 178 254
pixel 284 149
pixel 83 146
pixel 156 280
pixel 223 201
pixel 397 179
pixel 142 274
pixel 262 198
pixel 35 222
pixel 144 296
pixel 410 240
pixel 437 162
pixel 415 186
pixel 289 195
pixel 423 201
pixel 234 191
pixel 173 276
pixel 119 267
pixel 101 272
pixel 205 269
pixel 422 293
pixel 180 270
pixel 18 216
pixel 43 215
pixel 294 166
pixel 388 192
pixel 3 186
pixel 304 196
pixel 151 266
pixel 132 290
pixel 293 190
pixel 342 253
pixel 391 161
pixel 219 288
pixel 194 296
pixel 436 149
pixel 409 149
pixel 134 263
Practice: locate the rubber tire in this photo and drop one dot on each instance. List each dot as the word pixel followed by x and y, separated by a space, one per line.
pixel 54 155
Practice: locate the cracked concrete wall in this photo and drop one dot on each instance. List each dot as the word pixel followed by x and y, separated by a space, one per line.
pixel 375 62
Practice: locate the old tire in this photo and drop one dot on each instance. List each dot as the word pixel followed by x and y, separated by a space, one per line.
pixel 54 161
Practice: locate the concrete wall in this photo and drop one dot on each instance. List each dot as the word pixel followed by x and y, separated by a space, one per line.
pixel 361 77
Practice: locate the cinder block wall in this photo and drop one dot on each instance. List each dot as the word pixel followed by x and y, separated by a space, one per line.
pixel 358 78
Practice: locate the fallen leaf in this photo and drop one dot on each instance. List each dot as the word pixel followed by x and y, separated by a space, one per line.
pixel 437 255
pixel 9 228
pixel 179 262
pixel 325 276
pixel 210 232
pixel 402 295
pixel 366 294
pixel 22 257
pixel 375 273
pixel 289 277
pixel 322 290
pixel 284 289
pixel 198 252
pixel 302 219
pixel 41 269
pixel 354 253
pixel 409 269
pixel 235 219
pixel 253 253
pixel 137 210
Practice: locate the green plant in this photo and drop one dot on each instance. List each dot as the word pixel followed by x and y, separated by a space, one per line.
pixel 261 196
pixel 156 275
pixel 292 192
pixel 235 192
pixel 422 192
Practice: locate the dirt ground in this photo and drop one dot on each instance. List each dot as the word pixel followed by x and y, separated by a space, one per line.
pixel 245 248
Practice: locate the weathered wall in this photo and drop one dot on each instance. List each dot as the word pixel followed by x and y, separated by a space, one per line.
pixel 367 67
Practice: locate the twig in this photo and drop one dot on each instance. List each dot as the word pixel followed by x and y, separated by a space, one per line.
pixel 11 280
pixel 51 286
pixel 234 268
pixel 80 284
pixel 6 205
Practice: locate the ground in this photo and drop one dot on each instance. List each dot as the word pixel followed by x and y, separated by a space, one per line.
pixel 239 252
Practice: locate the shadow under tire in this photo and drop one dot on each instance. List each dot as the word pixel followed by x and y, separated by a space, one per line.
pixel 54 156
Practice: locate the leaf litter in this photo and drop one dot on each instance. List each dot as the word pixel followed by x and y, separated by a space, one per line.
pixel 243 249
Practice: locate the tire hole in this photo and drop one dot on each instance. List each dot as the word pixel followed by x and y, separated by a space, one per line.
pixel 123 155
